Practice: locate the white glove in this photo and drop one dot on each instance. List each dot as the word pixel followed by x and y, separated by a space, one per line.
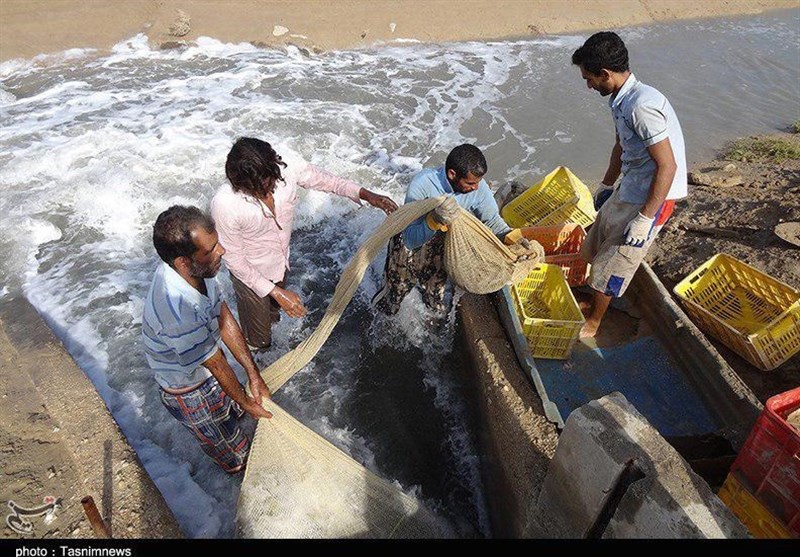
pixel 601 195
pixel 515 237
pixel 638 230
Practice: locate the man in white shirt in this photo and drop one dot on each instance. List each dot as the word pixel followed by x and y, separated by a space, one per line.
pixel 649 152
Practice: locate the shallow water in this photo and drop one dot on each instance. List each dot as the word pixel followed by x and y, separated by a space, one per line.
pixel 93 148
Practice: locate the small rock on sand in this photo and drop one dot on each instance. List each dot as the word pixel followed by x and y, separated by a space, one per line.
pixel 182 24
pixel 790 232
pixel 172 45
pixel 715 179
pixel 279 30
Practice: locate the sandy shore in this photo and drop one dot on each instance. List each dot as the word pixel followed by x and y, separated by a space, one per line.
pixel 31 27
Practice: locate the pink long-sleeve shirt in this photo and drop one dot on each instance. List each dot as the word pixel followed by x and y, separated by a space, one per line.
pixel 256 242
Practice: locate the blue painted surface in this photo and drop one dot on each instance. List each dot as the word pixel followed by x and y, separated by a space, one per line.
pixel 642 371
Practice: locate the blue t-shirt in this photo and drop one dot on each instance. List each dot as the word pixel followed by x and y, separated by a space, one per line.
pixel 180 328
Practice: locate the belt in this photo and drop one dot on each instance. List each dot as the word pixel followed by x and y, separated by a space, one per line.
pixel 183 390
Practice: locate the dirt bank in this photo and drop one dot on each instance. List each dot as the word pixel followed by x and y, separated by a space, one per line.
pixel 31 27
pixel 736 212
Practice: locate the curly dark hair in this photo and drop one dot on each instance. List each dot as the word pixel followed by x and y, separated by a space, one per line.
pixel 604 50
pixel 172 232
pixel 253 167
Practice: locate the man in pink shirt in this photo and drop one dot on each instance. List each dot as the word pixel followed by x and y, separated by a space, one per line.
pixel 254 216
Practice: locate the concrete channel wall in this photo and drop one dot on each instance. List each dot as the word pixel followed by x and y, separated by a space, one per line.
pixel 517 441
pixel 57 438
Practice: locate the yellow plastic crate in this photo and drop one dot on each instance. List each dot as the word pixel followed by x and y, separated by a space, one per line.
pixel 758 520
pixel 559 198
pixel 752 313
pixel 550 317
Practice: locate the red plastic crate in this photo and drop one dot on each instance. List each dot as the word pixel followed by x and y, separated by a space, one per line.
pixel 562 245
pixel 769 463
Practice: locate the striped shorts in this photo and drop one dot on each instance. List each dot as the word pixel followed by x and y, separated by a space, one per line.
pixel 213 417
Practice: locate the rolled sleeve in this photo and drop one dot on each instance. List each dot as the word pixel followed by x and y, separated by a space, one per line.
pixel 311 177
pixel 650 124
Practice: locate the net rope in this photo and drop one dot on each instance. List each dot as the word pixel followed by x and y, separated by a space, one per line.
pixel 297 484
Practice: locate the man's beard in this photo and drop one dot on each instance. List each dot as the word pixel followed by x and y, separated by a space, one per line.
pixel 203 271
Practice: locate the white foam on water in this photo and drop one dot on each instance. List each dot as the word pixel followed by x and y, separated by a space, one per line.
pixel 93 148
pixel 6 97
pixel 42 231
pixel 18 65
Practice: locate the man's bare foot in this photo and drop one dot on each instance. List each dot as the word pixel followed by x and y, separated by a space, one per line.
pixel 589 329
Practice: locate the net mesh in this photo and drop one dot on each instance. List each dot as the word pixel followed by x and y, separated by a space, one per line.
pixel 297 484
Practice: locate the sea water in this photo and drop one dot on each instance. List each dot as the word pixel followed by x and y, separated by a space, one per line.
pixel 93 147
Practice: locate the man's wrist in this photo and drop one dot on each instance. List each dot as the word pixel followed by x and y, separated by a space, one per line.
pixel 251 370
pixel 240 394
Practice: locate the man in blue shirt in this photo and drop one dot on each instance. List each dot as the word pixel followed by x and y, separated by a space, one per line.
pixel 416 256
pixel 649 152
pixel 184 319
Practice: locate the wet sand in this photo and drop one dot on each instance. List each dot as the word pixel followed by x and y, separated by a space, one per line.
pixel 32 27
pixel 58 439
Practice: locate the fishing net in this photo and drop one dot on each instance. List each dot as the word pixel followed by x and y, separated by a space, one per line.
pixel 297 484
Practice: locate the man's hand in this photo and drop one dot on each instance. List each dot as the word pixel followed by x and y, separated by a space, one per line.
pixel 221 370
pixel 601 195
pixel 516 237
pixel 255 409
pixel 638 230
pixel 382 202
pixel 443 215
pixel 258 388
pixel 289 302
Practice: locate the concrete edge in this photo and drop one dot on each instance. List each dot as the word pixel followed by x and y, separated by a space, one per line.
pixel 107 467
